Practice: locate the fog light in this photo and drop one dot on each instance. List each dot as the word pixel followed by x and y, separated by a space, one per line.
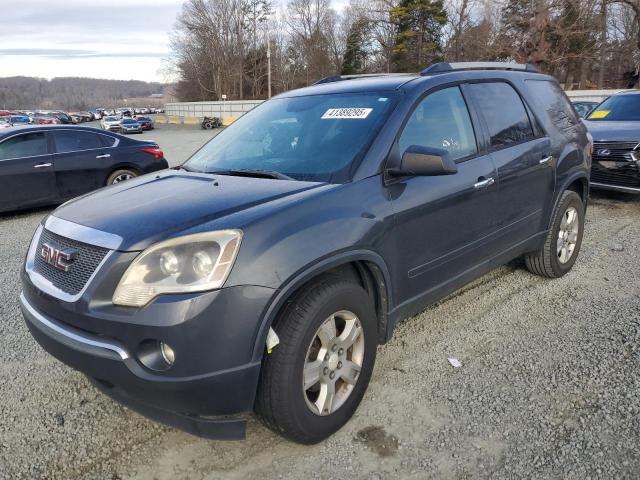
pixel 156 355
pixel 168 354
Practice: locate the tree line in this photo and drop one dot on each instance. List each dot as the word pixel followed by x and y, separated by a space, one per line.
pixel 69 93
pixel 223 47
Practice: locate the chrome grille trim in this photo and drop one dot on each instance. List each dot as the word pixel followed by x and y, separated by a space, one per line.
pixel 83 234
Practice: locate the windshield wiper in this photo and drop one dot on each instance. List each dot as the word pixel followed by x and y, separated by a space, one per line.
pixel 253 173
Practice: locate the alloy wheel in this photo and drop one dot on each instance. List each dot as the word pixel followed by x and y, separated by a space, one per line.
pixel 122 177
pixel 333 363
pixel 568 234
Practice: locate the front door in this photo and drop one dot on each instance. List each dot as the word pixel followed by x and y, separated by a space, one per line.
pixel 26 172
pixel 442 224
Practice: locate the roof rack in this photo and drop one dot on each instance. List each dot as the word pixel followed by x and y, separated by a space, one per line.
pixel 340 78
pixel 444 67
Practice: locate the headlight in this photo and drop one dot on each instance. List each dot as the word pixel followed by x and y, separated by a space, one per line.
pixel 193 263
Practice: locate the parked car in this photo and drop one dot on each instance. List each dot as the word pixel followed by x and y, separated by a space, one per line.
pixel 76 118
pixel 145 122
pixel 584 107
pixel 615 127
pixel 62 117
pixel 129 125
pixel 5 123
pixel 17 120
pixel 45 165
pixel 41 119
pixel 111 123
pixel 265 271
pixel 124 112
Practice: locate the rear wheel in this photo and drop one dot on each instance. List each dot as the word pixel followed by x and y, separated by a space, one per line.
pixel 121 176
pixel 562 245
pixel 314 380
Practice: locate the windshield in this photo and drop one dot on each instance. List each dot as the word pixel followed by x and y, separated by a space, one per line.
pixel 618 108
pixel 314 138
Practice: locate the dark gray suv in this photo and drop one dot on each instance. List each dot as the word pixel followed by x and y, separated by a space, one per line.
pixel 262 274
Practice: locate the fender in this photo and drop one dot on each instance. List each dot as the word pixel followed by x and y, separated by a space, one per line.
pixel 306 274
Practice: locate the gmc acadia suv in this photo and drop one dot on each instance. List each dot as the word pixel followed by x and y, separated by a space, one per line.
pixel 263 273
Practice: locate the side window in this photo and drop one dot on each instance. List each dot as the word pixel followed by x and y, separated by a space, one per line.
pixel 504 113
pixel 72 141
pixel 107 141
pixel 26 145
pixel 555 103
pixel 441 120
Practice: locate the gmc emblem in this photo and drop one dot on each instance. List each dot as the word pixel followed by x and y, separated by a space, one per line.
pixel 58 257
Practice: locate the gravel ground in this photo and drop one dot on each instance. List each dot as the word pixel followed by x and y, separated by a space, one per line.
pixel 548 386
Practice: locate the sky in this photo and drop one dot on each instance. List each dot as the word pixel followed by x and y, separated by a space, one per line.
pixel 115 39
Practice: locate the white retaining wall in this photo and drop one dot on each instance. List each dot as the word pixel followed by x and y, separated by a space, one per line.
pixel 232 108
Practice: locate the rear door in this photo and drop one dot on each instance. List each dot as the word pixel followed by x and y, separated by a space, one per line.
pixel 82 161
pixel 26 171
pixel 523 157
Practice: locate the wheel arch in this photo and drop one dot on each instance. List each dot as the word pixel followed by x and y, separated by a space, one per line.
pixel 365 266
pixel 122 166
pixel 579 183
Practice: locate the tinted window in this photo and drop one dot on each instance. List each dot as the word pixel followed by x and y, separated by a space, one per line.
pixel 441 120
pixel 623 108
pixel 504 112
pixel 107 141
pixel 554 101
pixel 26 145
pixel 72 141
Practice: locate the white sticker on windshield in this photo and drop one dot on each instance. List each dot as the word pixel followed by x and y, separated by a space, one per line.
pixel 347 113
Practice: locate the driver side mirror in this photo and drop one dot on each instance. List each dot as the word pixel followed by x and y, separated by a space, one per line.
pixel 424 161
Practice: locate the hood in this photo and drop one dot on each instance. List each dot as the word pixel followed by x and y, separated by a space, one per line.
pixel 153 207
pixel 614 131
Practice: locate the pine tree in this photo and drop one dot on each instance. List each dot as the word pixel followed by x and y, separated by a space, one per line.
pixel 355 56
pixel 419 38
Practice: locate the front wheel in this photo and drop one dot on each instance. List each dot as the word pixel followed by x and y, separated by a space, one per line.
pixel 562 244
pixel 313 381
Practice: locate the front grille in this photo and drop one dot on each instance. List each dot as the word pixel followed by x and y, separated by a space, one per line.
pixel 623 171
pixel 618 151
pixel 86 262
pixel 624 177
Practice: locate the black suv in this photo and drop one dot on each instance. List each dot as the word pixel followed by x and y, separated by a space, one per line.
pixel 263 273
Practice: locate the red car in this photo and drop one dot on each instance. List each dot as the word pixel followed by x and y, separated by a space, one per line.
pixel 145 122
pixel 45 120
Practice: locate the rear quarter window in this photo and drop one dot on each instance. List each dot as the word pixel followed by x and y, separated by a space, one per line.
pixel 552 99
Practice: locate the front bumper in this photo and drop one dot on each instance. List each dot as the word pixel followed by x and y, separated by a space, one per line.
pixel 213 335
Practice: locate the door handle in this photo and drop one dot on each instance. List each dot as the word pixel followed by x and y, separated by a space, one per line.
pixel 42 165
pixel 484 183
pixel 106 155
pixel 546 160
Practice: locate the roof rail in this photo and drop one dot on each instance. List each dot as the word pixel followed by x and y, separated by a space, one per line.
pixel 340 78
pixel 443 67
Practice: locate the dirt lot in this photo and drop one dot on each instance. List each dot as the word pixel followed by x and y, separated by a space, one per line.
pixel 548 388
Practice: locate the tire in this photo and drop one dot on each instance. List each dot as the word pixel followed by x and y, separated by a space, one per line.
pixel 282 403
pixel 208 126
pixel 550 261
pixel 120 176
